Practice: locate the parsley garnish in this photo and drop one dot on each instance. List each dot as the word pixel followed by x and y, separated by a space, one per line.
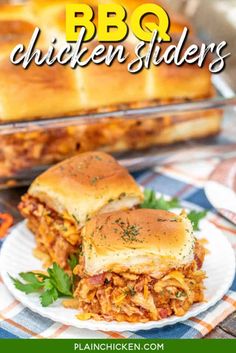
pixel 195 217
pixel 180 294
pixel 76 219
pixel 158 203
pixel 130 291
pixel 72 261
pixel 57 283
pixel 87 218
pixel 98 158
pixel 94 180
pixel 130 232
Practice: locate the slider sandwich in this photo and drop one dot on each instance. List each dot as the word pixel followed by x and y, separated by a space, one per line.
pixel 138 265
pixel 61 200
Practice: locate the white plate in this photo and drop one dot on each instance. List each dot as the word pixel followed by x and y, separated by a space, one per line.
pixel 16 256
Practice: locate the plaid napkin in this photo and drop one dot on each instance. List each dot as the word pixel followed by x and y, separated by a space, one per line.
pixel 182 180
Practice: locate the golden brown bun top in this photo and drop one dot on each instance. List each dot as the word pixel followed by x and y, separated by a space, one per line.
pixel 140 241
pixel 13 10
pixel 86 184
pixel 37 92
pixel 62 91
pixel 16 20
pixel 17 24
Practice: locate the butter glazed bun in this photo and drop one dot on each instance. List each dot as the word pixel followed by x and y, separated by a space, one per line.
pixel 86 184
pixel 47 91
pixel 17 23
pixel 80 90
pixel 140 241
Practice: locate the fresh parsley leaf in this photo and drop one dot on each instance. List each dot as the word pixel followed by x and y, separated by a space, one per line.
pixel 60 279
pixel 48 297
pixel 50 287
pixel 72 261
pixel 132 291
pixel 32 278
pixel 158 203
pixel 25 287
pixel 180 294
pixel 195 217
pixel 48 284
pixel 76 219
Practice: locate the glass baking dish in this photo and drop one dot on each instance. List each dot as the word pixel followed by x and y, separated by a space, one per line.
pixel 132 134
pixel 29 147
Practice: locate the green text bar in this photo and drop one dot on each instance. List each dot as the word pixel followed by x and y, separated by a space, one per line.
pixel 117 345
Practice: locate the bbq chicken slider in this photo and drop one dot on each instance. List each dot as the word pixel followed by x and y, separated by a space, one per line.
pixel 61 200
pixel 138 265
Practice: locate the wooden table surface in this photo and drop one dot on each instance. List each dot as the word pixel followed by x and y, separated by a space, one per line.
pixel 9 200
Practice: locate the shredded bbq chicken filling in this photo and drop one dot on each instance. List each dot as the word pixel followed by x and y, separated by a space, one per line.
pixel 57 236
pixel 139 298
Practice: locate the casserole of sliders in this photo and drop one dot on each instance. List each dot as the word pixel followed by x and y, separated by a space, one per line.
pixel 137 266
pixel 62 92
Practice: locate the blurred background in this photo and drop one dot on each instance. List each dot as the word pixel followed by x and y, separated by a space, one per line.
pixel 216 21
